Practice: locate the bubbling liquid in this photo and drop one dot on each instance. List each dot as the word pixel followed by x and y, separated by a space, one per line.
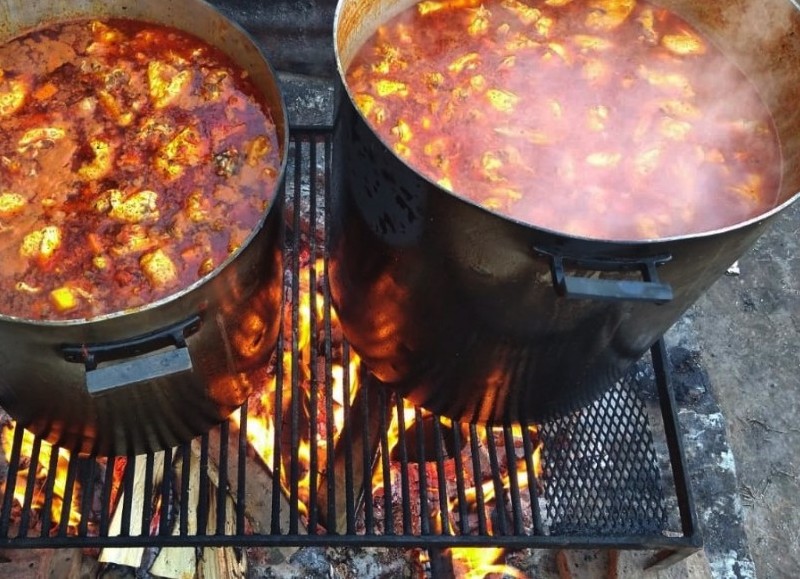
pixel 607 119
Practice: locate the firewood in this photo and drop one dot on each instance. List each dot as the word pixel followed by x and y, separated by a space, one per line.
pixel 353 431
pixel 258 482
pixel 181 562
pixel 221 562
pixel 132 556
pixel 258 495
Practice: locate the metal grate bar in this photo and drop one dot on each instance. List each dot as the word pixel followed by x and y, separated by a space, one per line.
pixel 438 485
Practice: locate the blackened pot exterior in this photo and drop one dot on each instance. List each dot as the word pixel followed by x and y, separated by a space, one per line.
pixel 155 376
pixel 456 308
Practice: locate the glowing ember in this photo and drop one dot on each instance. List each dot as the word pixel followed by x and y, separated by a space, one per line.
pixel 36 477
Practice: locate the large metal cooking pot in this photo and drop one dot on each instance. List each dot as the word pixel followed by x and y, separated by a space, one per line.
pixel 482 318
pixel 155 376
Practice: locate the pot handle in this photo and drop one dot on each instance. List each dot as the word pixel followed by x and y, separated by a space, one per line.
pixel 573 287
pixel 135 360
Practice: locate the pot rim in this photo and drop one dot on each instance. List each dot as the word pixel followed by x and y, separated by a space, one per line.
pixel 761 217
pixel 280 119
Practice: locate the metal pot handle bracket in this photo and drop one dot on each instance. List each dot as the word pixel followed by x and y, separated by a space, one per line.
pixel 575 287
pixel 137 359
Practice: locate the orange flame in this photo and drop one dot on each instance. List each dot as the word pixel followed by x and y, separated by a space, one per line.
pixel 478 563
pixel 261 431
pixel 261 426
pixel 40 474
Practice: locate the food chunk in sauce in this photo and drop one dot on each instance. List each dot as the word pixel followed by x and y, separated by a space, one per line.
pixel 117 140
pixel 609 119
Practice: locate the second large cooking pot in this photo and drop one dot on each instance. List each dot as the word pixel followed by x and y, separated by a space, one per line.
pixel 153 376
pixel 482 318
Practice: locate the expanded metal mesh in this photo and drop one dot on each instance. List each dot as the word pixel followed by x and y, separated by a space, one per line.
pixel 432 484
pixel 601 471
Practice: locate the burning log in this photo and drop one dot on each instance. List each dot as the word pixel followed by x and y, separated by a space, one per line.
pixel 212 562
pixel 363 436
pixel 256 494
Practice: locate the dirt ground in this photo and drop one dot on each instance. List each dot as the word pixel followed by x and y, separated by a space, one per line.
pixel 748 329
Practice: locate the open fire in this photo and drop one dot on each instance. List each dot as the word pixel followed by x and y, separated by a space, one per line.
pixel 322 454
pixel 320 410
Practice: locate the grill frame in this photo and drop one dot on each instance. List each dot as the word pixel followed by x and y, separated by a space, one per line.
pixel 310 163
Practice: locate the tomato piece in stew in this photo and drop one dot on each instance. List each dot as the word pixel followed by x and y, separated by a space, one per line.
pixel 134 159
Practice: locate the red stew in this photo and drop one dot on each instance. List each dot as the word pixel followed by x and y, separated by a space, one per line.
pixel 609 119
pixel 134 158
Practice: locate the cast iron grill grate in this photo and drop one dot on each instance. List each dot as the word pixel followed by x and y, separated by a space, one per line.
pixel 602 484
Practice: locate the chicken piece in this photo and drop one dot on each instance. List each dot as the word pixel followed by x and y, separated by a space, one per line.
pixel 503 100
pixel 11 204
pixel 184 150
pixel 197 207
pixel 391 60
pixel 63 299
pixel 135 208
pixel 604 159
pixel 370 108
pixel 213 85
pixel 100 165
pixel 647 161
pixel 256 149
pixel 113 109
pixel 674 129
pixel 386 88
pixel 597 118
pixel 520 42
pixel 166 82
pixel 606 15
pixel 12 96
pixel 591 43
pixel 491 164
pixel 402 131
pixel 557 3
pixel 159 269
pixel 646 20
pixel 667 81
pixel 544 26
pixel 522 11
pixel 479 25
pixel 39 137
pixel 133 238
pixel 684 44
pixel 468 61
pixel 41 243
pixel 559 50
pixel 680 110
pixel 105 33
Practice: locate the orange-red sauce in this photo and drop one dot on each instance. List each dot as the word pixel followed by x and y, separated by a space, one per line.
pixel 609 119
pixel 134 158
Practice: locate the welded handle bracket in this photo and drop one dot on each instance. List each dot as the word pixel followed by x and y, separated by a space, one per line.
pixel 151 356
pixel 649 289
